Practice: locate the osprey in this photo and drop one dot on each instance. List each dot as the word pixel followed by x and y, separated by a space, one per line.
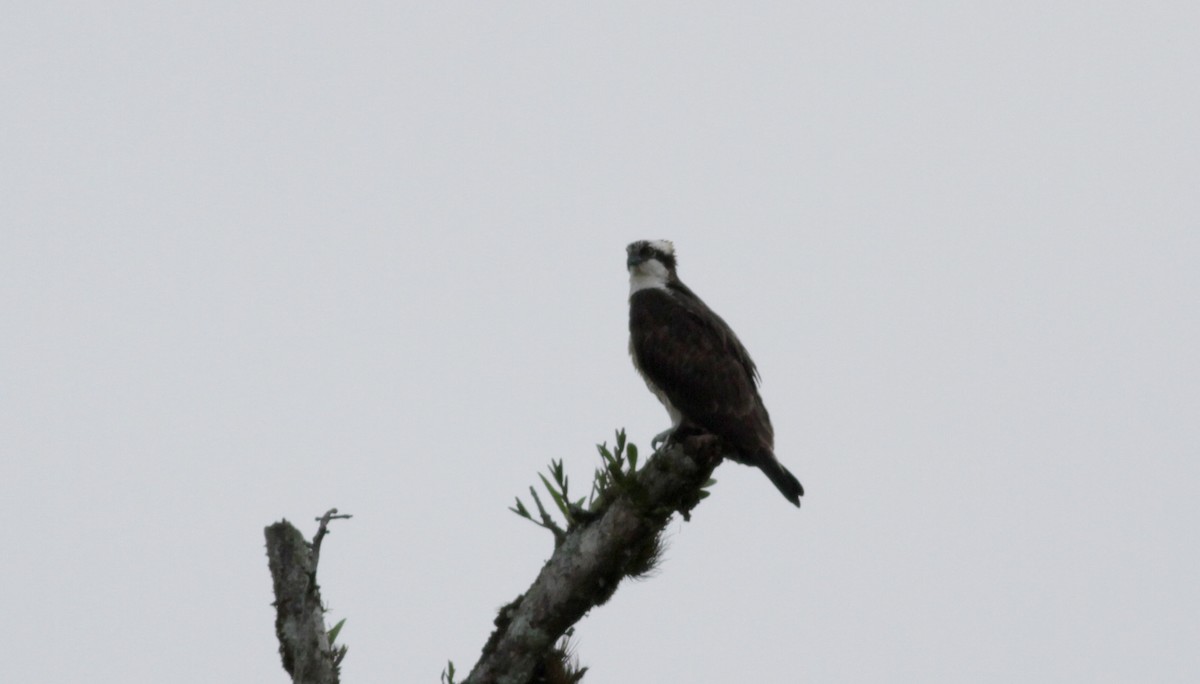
pixel 695 365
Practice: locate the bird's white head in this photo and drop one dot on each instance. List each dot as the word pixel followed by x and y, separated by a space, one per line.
pixel 651 264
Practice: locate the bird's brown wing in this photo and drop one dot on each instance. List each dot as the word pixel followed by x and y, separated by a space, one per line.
pixel 694 358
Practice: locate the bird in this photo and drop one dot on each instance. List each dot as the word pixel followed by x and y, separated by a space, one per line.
pixel 697 367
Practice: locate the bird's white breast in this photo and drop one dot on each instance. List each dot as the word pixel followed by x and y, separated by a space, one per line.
pixel 650 274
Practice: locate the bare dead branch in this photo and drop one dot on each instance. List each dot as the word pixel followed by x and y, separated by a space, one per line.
pixel 323 530
pixel 299 613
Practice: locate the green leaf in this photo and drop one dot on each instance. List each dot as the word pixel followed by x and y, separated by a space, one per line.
pixel 520 509
pixel 614 472
pixel 333 633
pixel 558 500
pixel 633 458
pixel 538 502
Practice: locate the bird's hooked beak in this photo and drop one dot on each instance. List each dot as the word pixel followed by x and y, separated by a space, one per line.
pixel 634 259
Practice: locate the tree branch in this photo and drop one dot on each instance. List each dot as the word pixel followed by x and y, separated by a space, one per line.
pixel 304 643
pixel 323 530
pixel 592 557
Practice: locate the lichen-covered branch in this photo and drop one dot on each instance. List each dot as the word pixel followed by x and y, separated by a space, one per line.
pixel 304 643
pixel 593 557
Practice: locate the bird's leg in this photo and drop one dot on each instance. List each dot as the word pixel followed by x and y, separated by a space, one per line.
pixel 676 434
pixel 662 437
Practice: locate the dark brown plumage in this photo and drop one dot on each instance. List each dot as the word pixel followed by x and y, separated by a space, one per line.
pixel 695 364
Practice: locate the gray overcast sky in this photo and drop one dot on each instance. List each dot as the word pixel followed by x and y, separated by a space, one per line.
pixel 263 259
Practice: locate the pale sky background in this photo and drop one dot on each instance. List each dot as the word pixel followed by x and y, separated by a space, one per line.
pixel 260 259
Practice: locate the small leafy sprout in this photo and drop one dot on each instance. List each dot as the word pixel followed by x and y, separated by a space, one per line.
pixel 618 466
pixel 333 633
pixel 559 491
pixel 520 510
pixel 448 673
pixel 547 522
pixel 619 469
pixel 339 653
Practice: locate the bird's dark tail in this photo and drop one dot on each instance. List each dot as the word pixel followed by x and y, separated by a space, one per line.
pixel 784 481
